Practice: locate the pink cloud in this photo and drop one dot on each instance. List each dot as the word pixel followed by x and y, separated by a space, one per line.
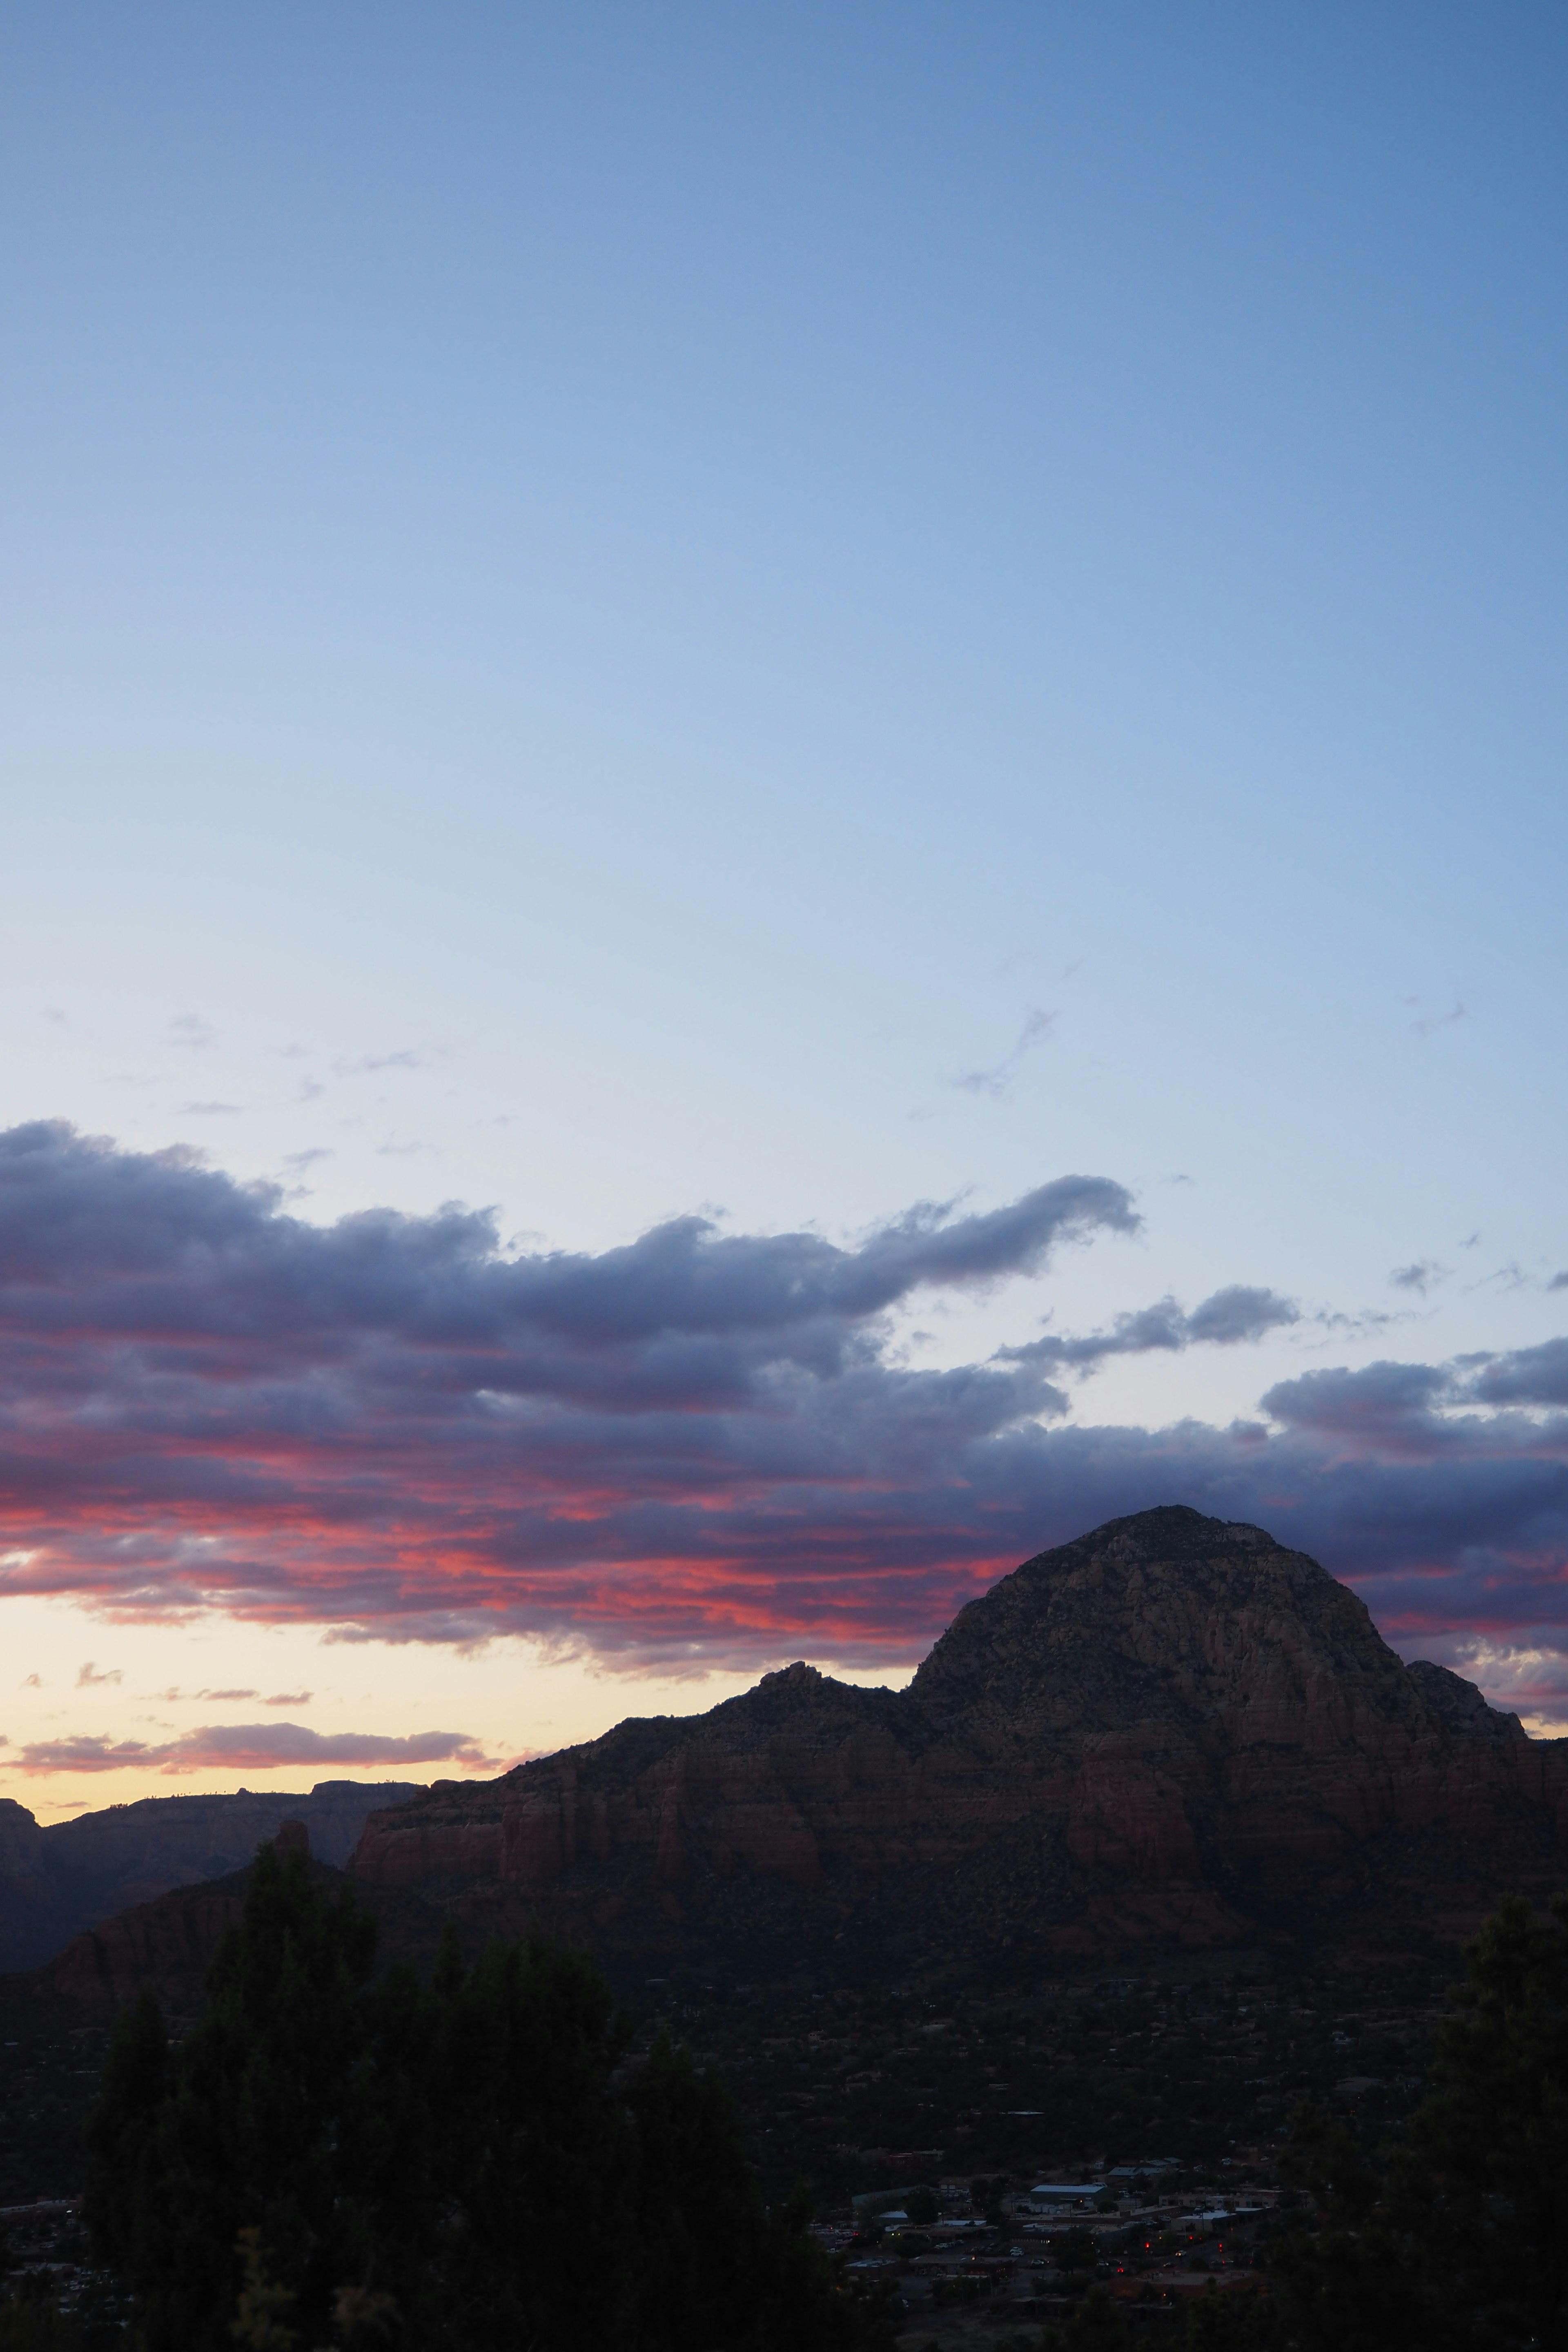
pixel 696 1448
pixel 253 1748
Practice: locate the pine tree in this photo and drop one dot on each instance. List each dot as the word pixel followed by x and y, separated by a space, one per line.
pixel 255 2124
pixel 462 2166
pixel 716 2267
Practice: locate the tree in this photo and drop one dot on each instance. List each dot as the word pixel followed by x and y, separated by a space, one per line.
pixel 1456 2242
pixel 257 2124
pixel 1492 2135
pixel 462 2166
pixel 535 2158
pixel 715 2266
pixel 1354 2283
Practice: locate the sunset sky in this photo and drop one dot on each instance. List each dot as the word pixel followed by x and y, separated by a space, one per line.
pixel 785 808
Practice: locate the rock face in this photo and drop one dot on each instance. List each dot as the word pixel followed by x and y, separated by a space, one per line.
pixel 1172 1728
pixel 166 1945
pixel 58 1881
pixel 1460 1703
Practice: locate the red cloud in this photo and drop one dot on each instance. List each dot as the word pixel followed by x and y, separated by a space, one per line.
pixel 695 1447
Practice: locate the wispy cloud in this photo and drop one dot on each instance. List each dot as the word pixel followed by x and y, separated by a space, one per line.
pixel 1362 1323
pixel 997 1080
pixel 365 1064
pixel 1511 1276
pixel 88 1675
pixel 1420 1276
pixel 1426 1023
pixel 1230 1317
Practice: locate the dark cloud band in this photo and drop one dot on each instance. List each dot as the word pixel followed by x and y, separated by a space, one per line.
pixel 700 1446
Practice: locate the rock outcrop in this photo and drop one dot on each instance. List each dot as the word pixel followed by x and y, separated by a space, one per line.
pixel 1173 1728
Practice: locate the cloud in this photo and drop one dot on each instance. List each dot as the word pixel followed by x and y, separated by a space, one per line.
pixel 1511 1276
pixel 1240 1313
pixel 1225 1319
pixel 996 1081
pixel 405 1059
pixel 1426 1023
pixel 1558 1281
pixel 701 1447
pixel 1420 1276
pixel 176 1697
pixel 89 1674
pixel 195 1698
pixel 189 1029
pixel 289 1698
pixel 1385 1405
pixel 32 1681
pixel 1526 1376
pixel 252 1748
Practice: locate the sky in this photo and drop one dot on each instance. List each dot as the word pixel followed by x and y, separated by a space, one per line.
pixel 783 808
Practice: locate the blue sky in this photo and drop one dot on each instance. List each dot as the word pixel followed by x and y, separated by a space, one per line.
pixel 618 612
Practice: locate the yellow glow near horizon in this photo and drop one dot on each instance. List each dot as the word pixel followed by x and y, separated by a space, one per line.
pixel 74 1674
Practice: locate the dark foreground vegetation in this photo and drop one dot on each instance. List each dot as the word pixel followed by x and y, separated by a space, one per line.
pixel 1451 2238
pixel 333 2159
pixel 465 2162
pixel 1455 2240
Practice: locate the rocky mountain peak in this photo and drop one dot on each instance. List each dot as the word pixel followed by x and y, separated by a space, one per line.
pixel 1165 1618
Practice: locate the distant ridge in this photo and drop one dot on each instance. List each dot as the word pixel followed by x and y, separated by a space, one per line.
pixel 56 1881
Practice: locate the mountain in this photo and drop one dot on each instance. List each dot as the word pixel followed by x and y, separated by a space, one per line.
pixel 58 1881
pixel 1171 1731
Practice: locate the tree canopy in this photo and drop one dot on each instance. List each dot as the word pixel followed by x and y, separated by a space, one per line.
pixel 458 2165
pixel 1457 2240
